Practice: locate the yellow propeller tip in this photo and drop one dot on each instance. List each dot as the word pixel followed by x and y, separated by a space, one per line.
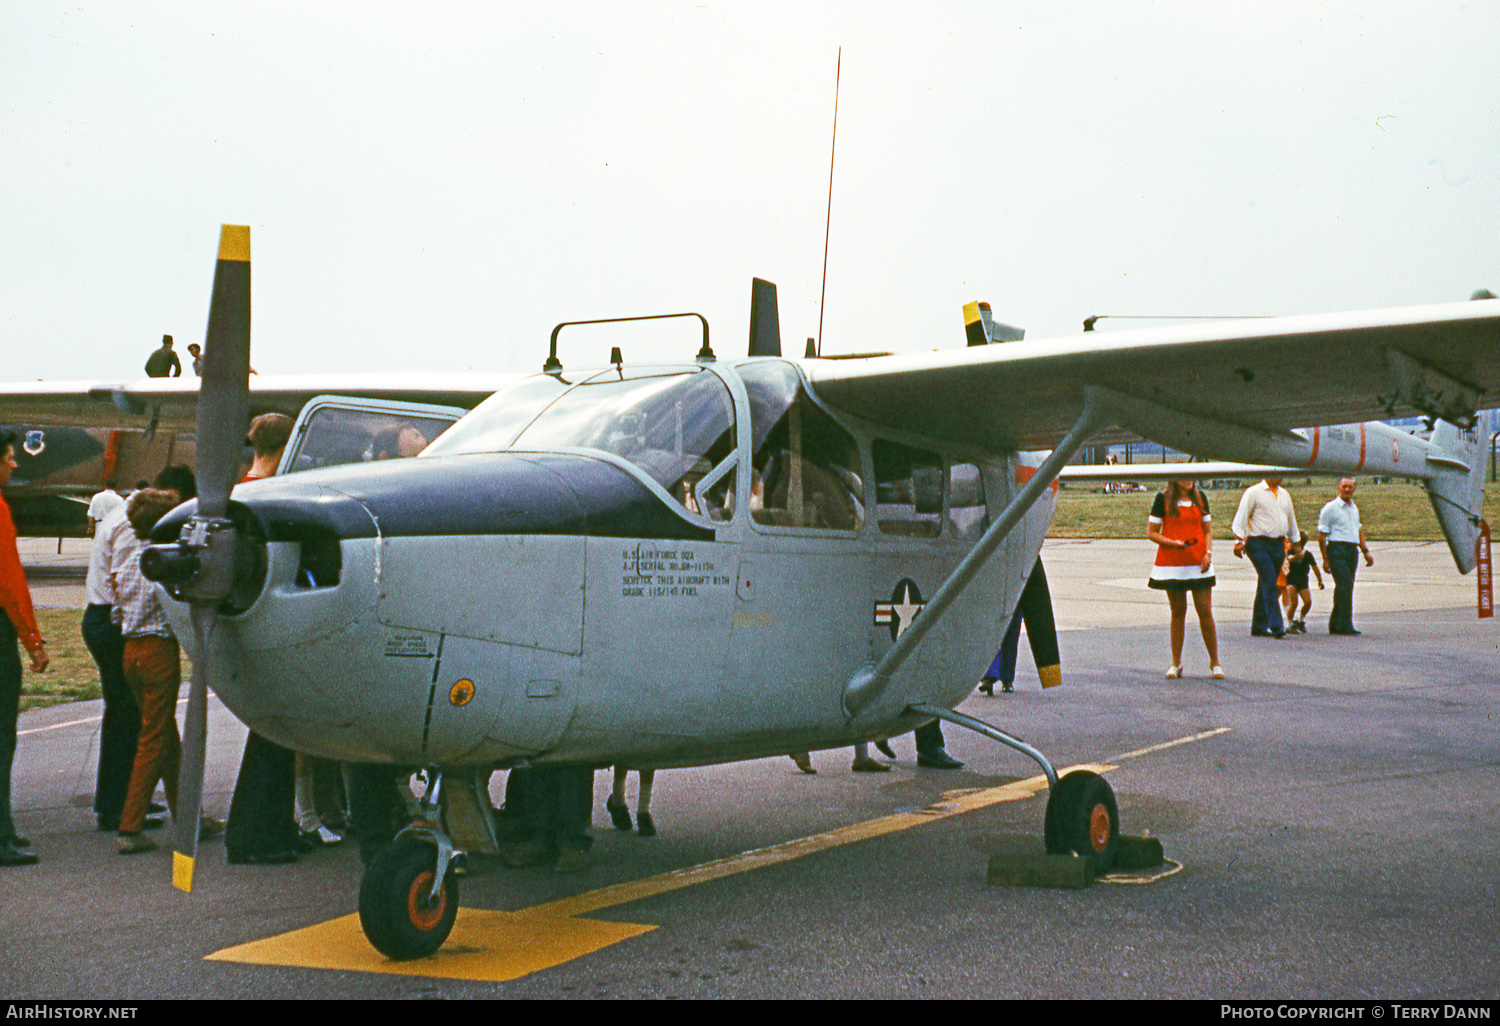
pixel 182 872
pixel 234 242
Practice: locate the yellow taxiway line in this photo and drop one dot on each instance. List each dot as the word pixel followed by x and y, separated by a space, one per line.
pixel 498 946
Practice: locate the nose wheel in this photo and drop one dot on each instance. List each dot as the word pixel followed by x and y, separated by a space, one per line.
pixel 403 915
pixel 1082 816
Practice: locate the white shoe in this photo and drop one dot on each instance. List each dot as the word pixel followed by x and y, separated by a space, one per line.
pixel 323 837
pixel 1217 672
pixel 1173 672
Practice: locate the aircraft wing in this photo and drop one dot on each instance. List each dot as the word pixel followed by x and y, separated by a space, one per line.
pixel 1267 375
pixel 172 403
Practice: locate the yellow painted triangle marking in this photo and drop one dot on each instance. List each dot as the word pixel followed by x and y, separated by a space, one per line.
pixel 484 946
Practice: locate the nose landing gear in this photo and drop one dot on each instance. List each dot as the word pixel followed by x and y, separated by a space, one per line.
pixel 406 912
pixel 409 897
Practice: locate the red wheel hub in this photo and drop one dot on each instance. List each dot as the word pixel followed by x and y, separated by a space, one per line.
pixel 422 915
pixel 1099 828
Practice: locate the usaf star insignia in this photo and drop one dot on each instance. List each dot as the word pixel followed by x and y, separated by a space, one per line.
pixel 897 614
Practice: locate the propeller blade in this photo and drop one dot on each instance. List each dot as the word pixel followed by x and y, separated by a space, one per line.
pixel 194 750
pixel 1041 627
pixel 223 409
pixel 224 393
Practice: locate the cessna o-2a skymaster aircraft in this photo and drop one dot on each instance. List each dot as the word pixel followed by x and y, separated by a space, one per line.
pixel 833 547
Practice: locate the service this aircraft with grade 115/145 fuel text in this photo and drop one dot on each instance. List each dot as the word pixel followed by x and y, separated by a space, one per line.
pixel 833 547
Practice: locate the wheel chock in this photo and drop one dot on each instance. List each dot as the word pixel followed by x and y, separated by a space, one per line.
pixel 1026 870
pixel 1138 853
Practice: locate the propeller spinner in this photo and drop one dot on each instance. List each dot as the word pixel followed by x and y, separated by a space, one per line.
pixel 200 567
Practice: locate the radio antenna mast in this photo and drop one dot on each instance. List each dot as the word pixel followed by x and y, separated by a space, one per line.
pixel 828 226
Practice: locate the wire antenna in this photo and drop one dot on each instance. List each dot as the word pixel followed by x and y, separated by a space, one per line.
pixel 828 226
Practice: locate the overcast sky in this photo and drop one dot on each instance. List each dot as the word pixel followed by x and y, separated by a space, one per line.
pixel 435 185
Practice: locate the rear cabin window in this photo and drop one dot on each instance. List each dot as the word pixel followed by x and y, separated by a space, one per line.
pixel 805 471
pixel 908 490
pixel 967 514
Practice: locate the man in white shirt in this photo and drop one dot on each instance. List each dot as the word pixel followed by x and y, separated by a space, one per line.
pixel 1262 525
pixel 103 503
pixel 1341 537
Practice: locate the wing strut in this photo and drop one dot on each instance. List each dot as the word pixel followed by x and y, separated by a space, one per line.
pixel 992 732
pixel 870 681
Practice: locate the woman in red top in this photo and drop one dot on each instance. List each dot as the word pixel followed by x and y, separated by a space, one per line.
pixel 1180 526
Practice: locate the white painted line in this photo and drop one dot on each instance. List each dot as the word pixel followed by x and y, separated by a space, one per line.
pixel 58 726
pixel 71 723
pixel 1172 744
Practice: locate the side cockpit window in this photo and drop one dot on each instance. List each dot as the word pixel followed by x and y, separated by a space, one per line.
pixel 805 468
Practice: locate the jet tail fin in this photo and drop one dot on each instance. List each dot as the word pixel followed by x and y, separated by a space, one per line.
pixel 1458 496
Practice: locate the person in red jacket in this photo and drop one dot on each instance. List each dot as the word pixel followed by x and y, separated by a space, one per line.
pixel 17 622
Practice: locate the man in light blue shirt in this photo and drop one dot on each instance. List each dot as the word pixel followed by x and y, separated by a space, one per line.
pixel 1341 537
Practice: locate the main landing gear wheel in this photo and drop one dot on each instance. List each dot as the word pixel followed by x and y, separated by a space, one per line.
pixel 1082 817
pixel 395 907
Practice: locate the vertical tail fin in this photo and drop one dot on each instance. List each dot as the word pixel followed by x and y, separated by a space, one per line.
pixel 765 324
pixel 1458 498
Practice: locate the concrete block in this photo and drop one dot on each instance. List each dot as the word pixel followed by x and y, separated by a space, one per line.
pixel 1024 870
pixel 1138 853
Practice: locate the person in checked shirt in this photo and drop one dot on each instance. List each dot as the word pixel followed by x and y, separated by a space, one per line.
pixel 153 669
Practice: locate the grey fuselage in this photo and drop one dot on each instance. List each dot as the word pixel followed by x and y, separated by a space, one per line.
pixel 567 603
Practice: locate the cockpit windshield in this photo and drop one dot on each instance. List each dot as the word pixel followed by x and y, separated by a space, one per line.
pixel 677 426
pixel 494 423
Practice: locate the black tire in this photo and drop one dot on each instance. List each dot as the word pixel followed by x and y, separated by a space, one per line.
pixel 1082 816
pixel 393 901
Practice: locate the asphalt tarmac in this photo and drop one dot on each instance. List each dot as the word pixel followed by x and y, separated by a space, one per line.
pixel 1331 805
